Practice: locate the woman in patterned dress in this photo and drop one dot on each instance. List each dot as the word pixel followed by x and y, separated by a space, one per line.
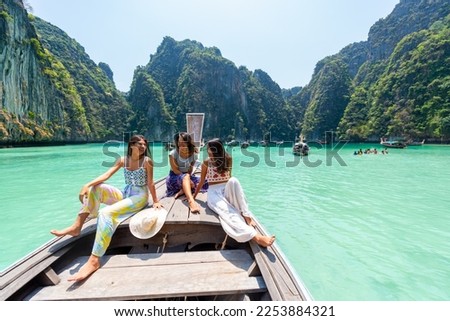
pixel 181 179
pixel 138 171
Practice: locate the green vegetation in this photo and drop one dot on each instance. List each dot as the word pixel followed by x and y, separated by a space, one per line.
pixel 397 83
pixel 6 16
pixel 186 77
pixel 411 96
pixel 99 107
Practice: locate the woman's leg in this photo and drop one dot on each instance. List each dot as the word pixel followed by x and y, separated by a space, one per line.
pixel 179 194
pixel 74 229
pixel 92 265
pixel 111 216
pixel 235 195
pixel 231 219
pixel 109 219
pixel 174 184
pixel 187 189
pixel 102 193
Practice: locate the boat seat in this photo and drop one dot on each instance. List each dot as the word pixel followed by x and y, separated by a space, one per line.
pixel 157 276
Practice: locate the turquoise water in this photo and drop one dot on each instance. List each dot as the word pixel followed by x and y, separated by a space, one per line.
pixel 370 227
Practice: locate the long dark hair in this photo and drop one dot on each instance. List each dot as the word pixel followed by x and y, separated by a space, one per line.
pixel 220 159
pixel 185 137
pixel 135 139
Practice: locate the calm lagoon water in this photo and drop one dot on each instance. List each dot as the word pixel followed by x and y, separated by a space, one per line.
pixel 369 227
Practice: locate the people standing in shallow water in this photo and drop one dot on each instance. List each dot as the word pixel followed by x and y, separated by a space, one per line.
pixel 226 196
pixel 138 171
pixel 181 180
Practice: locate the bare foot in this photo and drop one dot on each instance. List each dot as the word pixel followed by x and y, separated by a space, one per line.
pixel 92 265
pixel 263 240
pixel 180 193
pixel 250 221
pixel 194 207
pixel 73 230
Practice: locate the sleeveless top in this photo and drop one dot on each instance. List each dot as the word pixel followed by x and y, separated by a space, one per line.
pixel 213 176
pixel 183 163
pixel 137 177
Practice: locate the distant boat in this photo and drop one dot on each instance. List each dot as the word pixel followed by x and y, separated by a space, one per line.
pixel 414 143
pixel 265 143
pixel 392 143
pixel 232 143
pixel 300 149
pixel 316 142
pixel 245 144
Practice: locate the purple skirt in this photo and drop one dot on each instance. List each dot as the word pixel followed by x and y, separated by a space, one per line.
pixel 174 183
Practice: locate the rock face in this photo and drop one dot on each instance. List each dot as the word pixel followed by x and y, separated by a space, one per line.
pixel 390 85
pixel 89 87
pixel 27 96
pixel 50 90
pixel 393 84
pixel 184 76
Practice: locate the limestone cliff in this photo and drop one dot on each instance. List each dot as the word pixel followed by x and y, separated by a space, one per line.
pixel 50 90
pixel 184 76
pixel 33 106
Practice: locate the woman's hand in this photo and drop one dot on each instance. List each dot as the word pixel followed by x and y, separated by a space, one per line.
pixel 157 205
pixel 83 193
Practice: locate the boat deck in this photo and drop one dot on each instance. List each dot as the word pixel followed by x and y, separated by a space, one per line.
pixel 159 276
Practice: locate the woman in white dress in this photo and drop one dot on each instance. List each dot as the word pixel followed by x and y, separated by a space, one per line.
pixel 226 196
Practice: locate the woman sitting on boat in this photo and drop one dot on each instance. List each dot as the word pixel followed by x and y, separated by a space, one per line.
pixel 180 180
pixel 226 196
pixel 138 170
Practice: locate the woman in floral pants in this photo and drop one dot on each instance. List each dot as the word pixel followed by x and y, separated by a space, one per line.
pixel 138 171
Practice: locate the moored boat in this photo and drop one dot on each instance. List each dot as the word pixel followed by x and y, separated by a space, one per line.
pixel 415 143
pixel 393 143
pixel 245 145
pixel 300 149
pixel 232 143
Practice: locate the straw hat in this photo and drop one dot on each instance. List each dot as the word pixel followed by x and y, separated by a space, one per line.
pixel 147 222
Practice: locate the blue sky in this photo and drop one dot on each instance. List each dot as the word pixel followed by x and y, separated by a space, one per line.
pixel 285 38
